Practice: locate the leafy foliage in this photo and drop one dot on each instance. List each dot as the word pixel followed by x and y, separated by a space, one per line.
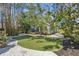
pixel 3 38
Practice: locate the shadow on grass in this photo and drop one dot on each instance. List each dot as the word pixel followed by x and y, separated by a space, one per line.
pixel 38 37
pixel 22 37
pixel 53 39
pixel 28 37
pixel 48 47
pixel 51 47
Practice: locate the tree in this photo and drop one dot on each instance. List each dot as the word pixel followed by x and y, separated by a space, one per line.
pixel 67 20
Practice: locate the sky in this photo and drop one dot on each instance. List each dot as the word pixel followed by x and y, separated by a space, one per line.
pixel 49 6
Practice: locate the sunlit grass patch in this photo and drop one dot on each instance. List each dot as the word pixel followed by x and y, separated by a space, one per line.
pixel 40 43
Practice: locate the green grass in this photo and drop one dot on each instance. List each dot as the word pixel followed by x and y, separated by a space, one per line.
pixel 39 43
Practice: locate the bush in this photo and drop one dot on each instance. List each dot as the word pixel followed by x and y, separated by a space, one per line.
pixel 61 31
pixel 3 38
pixel 76 36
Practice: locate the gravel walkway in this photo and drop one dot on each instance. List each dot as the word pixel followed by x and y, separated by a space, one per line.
pixel 15 50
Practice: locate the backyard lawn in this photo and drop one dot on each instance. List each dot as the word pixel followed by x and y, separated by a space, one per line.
pixel 41 43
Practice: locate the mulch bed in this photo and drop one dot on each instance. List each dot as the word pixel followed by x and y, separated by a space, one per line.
pixel 69 52
pixel 2 44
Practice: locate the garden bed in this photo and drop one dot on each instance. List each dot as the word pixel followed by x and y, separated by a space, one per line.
pixel 69 52
pixel 2 44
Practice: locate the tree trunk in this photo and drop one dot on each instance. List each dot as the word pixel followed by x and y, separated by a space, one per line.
pixel 48 29
pixel 8 19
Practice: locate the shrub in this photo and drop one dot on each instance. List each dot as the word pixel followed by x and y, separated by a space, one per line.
pixel 61 31
pixel 76 36
pixel 3 38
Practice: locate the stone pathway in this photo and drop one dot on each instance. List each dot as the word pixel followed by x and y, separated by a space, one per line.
pixel 19 51
pixel 15 50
